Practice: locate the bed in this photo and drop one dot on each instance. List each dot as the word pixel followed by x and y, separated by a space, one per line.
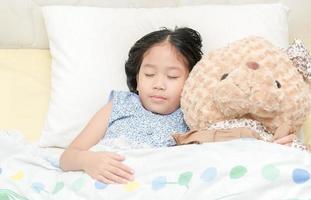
pixel 49 90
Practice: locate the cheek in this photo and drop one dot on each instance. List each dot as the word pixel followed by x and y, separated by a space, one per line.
pixel 176 88
pixel 182 86
pixel 142 83
pixel 138 81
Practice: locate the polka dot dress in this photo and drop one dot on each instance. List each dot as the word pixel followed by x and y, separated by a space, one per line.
pixel 131 121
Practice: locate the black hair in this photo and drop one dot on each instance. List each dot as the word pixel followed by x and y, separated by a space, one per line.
pixel 187 41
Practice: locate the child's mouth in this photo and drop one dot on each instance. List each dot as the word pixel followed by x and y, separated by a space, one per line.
pixel 158 98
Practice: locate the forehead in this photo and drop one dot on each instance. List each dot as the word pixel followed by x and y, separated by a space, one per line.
pixel 163 54
pixel 167 67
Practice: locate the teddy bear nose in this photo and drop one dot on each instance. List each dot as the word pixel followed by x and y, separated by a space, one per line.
pixel 252 65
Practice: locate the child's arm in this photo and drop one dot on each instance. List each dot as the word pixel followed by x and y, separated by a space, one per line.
pixel 103 166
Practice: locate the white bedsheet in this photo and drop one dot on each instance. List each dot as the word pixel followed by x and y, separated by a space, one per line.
pixel 239 169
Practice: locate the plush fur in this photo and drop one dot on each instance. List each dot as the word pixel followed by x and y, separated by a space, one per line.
pixel 248 79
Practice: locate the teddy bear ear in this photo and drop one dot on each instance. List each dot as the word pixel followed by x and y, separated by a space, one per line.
pixel 300 57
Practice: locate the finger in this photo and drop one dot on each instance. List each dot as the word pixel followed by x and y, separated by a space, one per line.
pixel 115 178
pixel 281 131
pixel 285 139
pixel 121 173
pixel 122 166
pixel 102 179
pixel 115 156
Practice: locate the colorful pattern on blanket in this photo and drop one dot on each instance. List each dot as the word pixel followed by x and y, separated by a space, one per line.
pixel 190 171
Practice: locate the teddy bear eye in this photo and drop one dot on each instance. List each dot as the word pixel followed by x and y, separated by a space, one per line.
pixel 278 84
pixel 224 76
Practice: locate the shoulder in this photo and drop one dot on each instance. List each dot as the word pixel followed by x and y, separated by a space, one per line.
pixel 124 101
pixel 122 95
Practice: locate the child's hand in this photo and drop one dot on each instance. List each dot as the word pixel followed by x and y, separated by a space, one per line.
pixel 107 167
pixel 283 136
pixel 285 140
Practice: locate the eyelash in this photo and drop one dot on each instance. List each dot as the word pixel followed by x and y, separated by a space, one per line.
pixel 149 75
pixel 170 77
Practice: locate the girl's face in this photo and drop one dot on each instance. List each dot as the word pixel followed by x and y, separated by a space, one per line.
pixel 161 78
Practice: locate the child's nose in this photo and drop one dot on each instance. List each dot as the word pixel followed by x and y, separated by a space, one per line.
pixel 159 83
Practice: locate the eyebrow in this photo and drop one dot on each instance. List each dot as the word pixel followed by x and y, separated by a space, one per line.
pixel 153 66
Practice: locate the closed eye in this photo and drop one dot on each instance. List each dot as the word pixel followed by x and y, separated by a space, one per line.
pixel 173 77
pixel 149 75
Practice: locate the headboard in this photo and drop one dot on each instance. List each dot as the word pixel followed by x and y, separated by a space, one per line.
pixel 22 25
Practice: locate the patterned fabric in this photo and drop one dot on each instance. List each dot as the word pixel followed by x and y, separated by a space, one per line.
pixel 297 143
pixel 239 169
pixel 256 126
pixel 300 58
pixel 244 123
pixel 139 127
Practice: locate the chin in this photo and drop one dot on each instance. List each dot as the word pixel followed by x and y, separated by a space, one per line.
pixel 161 111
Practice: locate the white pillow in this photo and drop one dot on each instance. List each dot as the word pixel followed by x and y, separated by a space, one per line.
pixel 89 46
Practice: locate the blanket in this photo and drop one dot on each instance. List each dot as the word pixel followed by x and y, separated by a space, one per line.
pixel 238 169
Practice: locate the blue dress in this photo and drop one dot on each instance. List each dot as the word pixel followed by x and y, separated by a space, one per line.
pixel 131 121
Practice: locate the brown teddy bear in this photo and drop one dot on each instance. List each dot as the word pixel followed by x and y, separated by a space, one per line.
pixel 248 89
